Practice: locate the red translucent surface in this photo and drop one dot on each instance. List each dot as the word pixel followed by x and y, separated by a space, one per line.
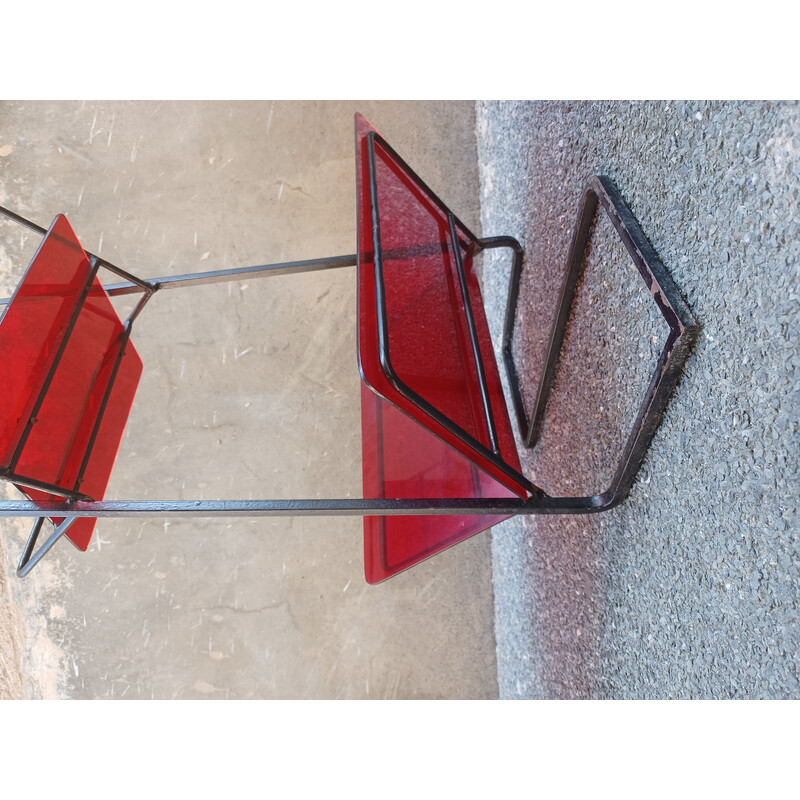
pixel 407 451
pixel 31 332
pixel 429 344
pixel 403 459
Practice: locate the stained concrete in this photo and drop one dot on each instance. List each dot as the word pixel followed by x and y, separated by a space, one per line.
pixel 250 390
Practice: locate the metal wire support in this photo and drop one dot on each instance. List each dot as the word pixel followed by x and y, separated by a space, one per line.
pixel 683 331
pixel 600 192
pixel 30 559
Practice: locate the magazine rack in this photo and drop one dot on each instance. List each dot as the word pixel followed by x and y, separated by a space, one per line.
pixel 440 461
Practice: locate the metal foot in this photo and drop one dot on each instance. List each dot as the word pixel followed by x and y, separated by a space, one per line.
pixel 30 559
pixel 683 327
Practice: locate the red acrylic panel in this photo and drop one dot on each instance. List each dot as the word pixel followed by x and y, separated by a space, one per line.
pixel 429 343
pixel 401 458
pixel 408 452
pixel 33 328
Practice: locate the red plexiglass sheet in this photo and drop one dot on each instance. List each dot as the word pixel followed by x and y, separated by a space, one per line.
pixel 31 331
pixel 403 459
pixel 407 452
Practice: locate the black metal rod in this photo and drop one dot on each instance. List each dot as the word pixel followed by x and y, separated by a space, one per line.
pixel 41 486
pixel 105 264
pixel 374 136
pixel 223 275
pixel 137 310
pixel 30 544
pixel 53 367
pixel 240 273
pixel 22 221
pixel 559 329
pixel 650 413
pixel 508 323
pixel 473 335
pixel 684 330
pixel 123 342
pixel 540 504
pixel 141 282
pixel 665 294
pixel 29 559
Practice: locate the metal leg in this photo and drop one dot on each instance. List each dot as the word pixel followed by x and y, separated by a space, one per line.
pixel 684 331
pixel 29 559
pixel 508 326
pixel 538 504
pixel 530 429
pixel 70 511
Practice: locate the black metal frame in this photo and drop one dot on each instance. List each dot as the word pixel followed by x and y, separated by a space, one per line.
pixel 475 245
pixel 132 284
pixel 683 333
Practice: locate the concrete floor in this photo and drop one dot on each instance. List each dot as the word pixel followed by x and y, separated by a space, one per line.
pixel 250 390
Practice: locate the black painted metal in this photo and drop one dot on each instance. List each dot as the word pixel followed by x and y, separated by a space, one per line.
pixel 224 275
pixel 683 333
pixel 42 486
pixel 601 192
pixel 124 338
pixel 30 544
pixel 348 507
pixel 473 335
pixel 383 323
pixel 508 324
pixel 30 559
pixel 101 261
pixel 22 221
pixel 146 285
pixel 32 417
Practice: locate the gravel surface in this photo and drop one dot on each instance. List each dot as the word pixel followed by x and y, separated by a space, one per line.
pixel 690 588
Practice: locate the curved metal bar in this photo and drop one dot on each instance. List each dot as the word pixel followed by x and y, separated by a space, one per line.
pixel 602 194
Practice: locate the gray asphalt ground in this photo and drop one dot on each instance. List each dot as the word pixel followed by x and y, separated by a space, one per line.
pixel 689 589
